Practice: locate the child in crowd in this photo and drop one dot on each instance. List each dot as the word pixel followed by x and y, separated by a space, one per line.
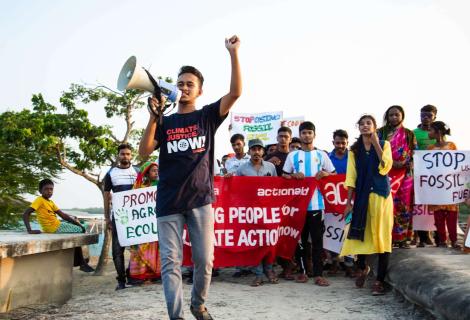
pixel 295 144
pixel 47 211
pixel 444 214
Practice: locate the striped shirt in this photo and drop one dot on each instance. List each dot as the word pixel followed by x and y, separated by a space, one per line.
pixel 310 163
pixel 119 179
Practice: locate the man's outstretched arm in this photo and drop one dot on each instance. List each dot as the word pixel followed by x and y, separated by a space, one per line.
pixel 229 99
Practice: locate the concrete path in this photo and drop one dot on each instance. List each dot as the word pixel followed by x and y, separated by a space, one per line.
pixel 95 298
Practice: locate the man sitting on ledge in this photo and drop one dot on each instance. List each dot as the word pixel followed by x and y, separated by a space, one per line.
pixel 46 211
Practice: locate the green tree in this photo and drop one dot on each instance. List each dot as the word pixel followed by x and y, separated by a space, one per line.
pixel 76 143
pixel 26 158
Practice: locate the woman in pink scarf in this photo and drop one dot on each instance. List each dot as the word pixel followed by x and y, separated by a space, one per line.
pixel 403 143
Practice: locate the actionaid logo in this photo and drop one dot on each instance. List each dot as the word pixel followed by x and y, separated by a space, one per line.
pixel 196 144
pixel 274 192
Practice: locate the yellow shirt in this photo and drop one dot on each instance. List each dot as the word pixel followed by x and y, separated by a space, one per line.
pixel 45 211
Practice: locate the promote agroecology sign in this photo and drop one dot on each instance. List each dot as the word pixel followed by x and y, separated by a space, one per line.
pixel 135 216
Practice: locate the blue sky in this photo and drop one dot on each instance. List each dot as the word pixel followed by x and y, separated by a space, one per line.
pixel 330 61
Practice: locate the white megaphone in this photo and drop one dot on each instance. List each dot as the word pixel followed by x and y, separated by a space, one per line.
pixel 133 76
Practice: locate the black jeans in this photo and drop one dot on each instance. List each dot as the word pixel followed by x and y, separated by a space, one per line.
pixel 314 227
pixel 118 255
pixel 78 259
pixel 382 265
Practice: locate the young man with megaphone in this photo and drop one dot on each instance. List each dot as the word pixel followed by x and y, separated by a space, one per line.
pixel 185 191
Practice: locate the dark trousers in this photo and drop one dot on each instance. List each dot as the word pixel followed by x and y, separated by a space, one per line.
pixel 423 236
pixel 118 255
pixel 78 259
pixel 382 267
pixel 314 227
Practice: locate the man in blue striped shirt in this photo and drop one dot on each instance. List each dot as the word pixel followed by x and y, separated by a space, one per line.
pixel 310 162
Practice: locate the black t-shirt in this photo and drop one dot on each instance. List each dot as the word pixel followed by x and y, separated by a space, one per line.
pixel 186 159
pixel 282 156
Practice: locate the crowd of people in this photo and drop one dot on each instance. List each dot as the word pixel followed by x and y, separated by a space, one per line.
pixel 379 220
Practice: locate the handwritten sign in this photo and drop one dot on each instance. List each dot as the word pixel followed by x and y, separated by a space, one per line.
pixel 135 216
pixel 441 176
pixel 293 123
pixel 261 126
pixel 334 235
pixel 423 219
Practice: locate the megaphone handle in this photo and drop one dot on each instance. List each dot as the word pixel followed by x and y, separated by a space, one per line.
pixel 157 92
pixel 158 95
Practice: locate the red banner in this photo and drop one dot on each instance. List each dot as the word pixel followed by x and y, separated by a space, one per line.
pixel 263 217
pixel 258 217
pixel 334 193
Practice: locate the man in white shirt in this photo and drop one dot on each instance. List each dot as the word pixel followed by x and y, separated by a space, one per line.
pixel 238 146
pixel 310 162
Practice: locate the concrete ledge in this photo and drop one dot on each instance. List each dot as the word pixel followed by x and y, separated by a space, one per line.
pixel 437 279
pixel 37 269
pixel 17 244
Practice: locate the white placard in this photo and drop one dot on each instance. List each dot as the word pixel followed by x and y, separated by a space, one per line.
pixel 293 123
pixel 423 219
pixel 334 235
pixel 441 176
pixel 135 216
pixel 467 240
pixel 261 126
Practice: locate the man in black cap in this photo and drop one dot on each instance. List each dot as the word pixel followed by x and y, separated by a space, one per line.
pixel 257 167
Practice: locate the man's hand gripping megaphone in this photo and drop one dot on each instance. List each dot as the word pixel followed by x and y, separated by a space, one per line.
pixel 157 107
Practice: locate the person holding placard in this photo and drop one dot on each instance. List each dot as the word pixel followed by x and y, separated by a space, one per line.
pixel 339 158
pixel 444 214
pixel 119 178
pixel 370 230
pixel 428 115
pixel 257 167
pixel 310 162
pixel 144 260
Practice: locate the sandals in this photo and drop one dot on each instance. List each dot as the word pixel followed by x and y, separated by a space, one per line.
pixel 301 278
pixel 257 282
pixel 404 245
pixel 289 277
pixel 455 245
pixel 378 289
pixel 201 314
pixel 334 269
pixel 361 278
pixel 322 282
pixel 272 277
